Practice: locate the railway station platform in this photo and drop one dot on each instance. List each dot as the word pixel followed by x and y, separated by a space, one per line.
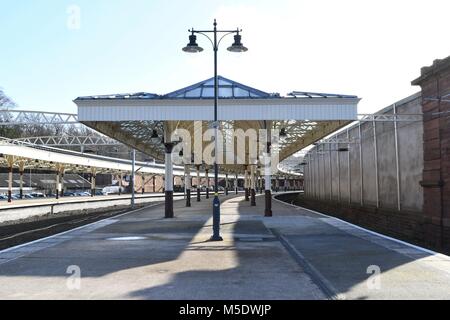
pixel 296 254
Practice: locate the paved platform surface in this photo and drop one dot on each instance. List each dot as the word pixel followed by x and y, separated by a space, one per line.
pixel 4 204
pixel 297 254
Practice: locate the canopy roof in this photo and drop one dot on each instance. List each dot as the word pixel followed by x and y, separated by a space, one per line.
pixel 131 118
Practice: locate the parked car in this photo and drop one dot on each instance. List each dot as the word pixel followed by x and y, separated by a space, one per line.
pixel 28 196
pixel 37 195
pixel 112 190
pixel 98 192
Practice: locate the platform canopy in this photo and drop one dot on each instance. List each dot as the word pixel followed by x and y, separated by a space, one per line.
pixel 131 118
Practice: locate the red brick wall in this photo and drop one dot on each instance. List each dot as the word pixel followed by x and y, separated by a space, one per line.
pixel 435 83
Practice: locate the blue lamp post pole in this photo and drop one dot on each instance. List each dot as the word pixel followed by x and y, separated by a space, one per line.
pixel 193 47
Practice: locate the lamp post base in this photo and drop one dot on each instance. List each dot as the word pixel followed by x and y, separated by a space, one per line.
pixel 216 220
pixel 268 208
pixel 253 197
pixel 168 212
pixel 188 198
pixel 215 239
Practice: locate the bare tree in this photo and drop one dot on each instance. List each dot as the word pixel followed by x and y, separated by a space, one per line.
pixel 6 102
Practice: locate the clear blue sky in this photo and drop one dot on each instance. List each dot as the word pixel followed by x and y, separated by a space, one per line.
pixel 371 49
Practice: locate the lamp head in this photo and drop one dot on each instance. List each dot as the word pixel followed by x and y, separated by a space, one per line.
pixel 237 46
pixel 192 46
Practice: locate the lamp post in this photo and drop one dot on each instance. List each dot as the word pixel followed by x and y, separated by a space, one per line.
pixel 193 47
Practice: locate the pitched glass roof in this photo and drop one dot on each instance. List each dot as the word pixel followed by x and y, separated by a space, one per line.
pixel 138 95
pixel 227 89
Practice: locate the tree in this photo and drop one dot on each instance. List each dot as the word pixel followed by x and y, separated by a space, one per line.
pixel 6 102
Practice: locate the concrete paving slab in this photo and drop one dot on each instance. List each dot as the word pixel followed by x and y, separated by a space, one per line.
pixel 143 256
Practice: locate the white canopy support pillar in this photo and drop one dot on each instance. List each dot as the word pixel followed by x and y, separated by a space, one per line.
pixel 236 183
pixel 198 183
pixel 21 170
pixel 168 190
pixel 252 185
pixel 10 161
pixel 93 178
pixel 187 171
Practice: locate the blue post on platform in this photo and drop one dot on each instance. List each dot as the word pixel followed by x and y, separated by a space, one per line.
pixel 216 219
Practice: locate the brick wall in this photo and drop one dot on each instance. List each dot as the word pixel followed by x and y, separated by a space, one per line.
pixel 435 84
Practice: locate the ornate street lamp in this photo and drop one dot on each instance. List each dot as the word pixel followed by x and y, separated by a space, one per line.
pixel 193 47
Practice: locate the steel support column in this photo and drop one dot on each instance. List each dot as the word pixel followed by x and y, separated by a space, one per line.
pixel 21 169
pixel 246 185
pixel 252 186
pixel 361 169
pixel 349 176
pixel 339 172
pixel 198 183
pixel 133 176
pixel 207 183
pixel 61 183
pixel 187 183
pixel 168 188
pixel 226 184
pixel 267 183
pixel 375 149
pixel 10 182
pixel 120 183
pixel 93 176
pixel 57 191
pixel 397 160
